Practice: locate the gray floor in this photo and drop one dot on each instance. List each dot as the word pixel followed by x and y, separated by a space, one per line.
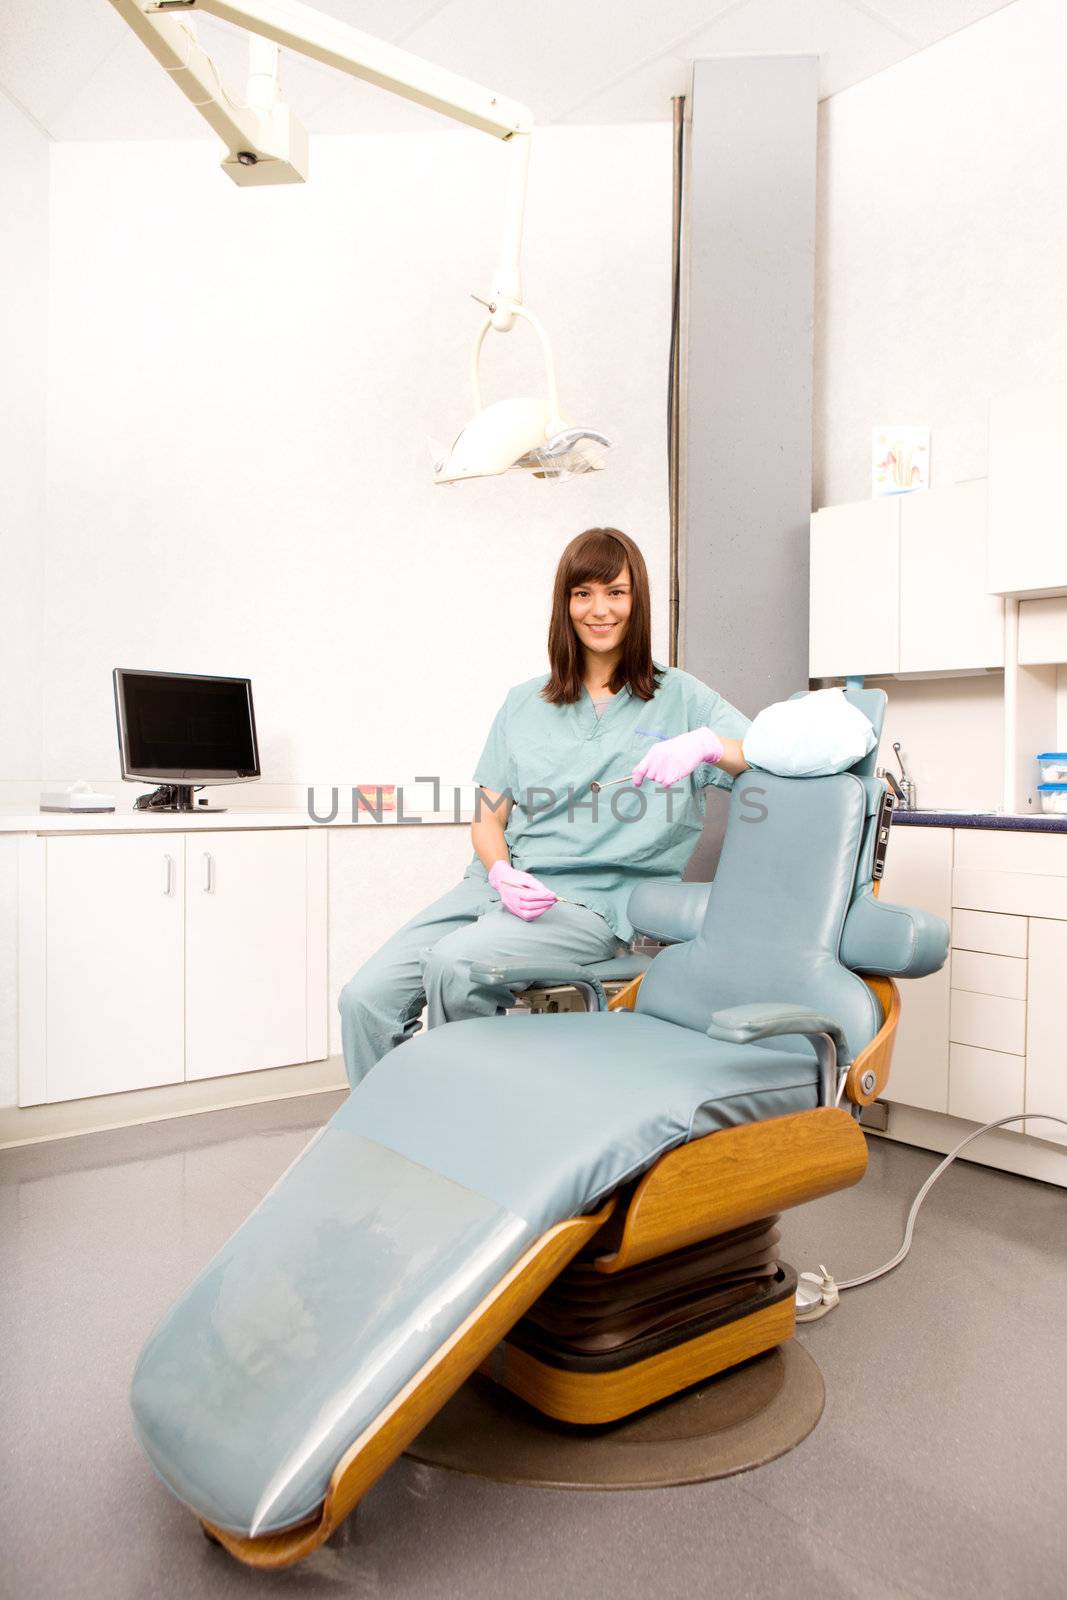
pixel 937 1470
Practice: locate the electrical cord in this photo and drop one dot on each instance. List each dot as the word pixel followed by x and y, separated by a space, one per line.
pixel 190 41
pixel 830 1291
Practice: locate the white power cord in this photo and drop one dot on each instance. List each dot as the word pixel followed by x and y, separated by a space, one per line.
pixel 817 1293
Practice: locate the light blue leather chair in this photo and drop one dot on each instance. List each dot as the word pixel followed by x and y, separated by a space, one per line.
pixel 425 1229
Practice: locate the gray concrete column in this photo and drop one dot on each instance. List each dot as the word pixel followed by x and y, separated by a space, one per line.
pixel 749 352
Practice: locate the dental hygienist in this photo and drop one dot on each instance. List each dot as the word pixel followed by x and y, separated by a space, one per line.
pixel 555 862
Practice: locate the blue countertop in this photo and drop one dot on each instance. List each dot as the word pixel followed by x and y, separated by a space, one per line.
pixel 1039 822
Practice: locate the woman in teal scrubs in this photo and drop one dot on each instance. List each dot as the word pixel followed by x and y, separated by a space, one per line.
pixel 554 861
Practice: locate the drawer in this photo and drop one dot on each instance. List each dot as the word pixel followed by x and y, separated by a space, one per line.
pixel 982 974
pixel 1021 894
pixel 991 931
pixel 985 1084
pixel 1004 850
pixel 989 1021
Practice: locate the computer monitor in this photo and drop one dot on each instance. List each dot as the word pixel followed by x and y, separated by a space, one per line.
pixel 184 730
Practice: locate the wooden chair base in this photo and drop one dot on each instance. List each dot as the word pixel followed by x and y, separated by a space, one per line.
pixel 580 1393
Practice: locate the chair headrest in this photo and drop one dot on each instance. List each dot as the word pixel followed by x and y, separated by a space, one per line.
pixel 872 702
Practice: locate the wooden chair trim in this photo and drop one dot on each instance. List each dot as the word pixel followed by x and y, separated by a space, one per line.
pixel 422 1397
pixel 736 1176
pixel 626 998
pixel 598 1397
pixel 879 1053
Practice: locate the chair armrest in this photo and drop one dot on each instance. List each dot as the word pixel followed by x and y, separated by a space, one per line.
pixel 509 973
pixel 746 1024
pixel 667 911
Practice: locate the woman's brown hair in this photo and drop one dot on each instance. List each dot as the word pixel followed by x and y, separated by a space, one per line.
pixel 597 556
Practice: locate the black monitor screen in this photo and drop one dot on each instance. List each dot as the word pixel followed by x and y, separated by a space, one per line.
pixel 186 727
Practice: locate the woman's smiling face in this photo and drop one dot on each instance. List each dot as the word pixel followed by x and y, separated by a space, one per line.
pixel 600 612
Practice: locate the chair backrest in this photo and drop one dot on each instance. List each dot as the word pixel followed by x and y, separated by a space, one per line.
pixel 792 914
pixel 776 911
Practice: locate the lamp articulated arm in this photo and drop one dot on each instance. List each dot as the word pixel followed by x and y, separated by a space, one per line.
pixel 267 144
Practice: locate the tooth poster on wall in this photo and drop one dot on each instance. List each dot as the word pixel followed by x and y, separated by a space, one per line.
pixel 900 459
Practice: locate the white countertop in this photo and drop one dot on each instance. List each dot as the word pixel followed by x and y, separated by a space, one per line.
pixel 21 821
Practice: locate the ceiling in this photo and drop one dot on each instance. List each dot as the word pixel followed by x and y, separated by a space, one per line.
pixel 76 69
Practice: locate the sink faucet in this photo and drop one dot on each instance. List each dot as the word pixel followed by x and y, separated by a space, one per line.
pixel 904 788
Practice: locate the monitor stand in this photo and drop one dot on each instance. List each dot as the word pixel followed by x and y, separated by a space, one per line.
pixel 172 797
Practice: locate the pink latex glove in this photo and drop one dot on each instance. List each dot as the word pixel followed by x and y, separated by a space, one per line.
pixel 676 758
pixel 523 895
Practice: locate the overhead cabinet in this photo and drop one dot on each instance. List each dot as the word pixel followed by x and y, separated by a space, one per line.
pixel 949 622
pixel 854 612
pixel 152 959
pixel 1027 522
pixel 898 585
pixel 1043 632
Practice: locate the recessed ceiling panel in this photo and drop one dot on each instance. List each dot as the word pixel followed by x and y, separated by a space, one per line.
pixel 926 20
pixel 552 54
pixel 49 50
pixel 850 44
pixel 73 65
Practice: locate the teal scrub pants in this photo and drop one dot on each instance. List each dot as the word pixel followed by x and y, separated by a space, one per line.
pixel 428 963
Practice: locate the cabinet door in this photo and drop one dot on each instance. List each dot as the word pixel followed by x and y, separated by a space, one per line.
pixel 855 589
pixel 1027 547
pixel 113 951
pixel 948 619
pixel 1046 1051
pixel 919 873
pixel 1043 632
pixel 245 951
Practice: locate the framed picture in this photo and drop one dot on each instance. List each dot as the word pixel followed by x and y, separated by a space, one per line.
pixel 900 459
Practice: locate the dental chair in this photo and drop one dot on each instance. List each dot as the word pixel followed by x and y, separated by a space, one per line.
pixel 580 1205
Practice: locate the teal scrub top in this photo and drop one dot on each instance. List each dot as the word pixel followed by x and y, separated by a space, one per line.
pixel 596 848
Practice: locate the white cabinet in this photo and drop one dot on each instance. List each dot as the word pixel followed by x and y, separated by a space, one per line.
pixel 1042 632
pixel 113 935
pixel 1046 1025
pixel 948 620
pixel 246 897
pixel 151 959
pixel 999 1002
pixel 1027 519
pixel 898 585
pixel 854 611
pixel 919 873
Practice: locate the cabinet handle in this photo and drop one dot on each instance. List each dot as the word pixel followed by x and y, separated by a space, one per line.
pixel 168 874
pixel 209 872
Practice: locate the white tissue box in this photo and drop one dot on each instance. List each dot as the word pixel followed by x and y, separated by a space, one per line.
pixel 79 797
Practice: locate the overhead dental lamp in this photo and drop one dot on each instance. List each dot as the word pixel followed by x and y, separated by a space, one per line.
pixel 266 144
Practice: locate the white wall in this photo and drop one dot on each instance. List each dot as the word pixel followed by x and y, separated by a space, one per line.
pixel 942 244
pixel 940 262
pixel 240 390
pixel 23 337
pixel 23 340
pixel 951 733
